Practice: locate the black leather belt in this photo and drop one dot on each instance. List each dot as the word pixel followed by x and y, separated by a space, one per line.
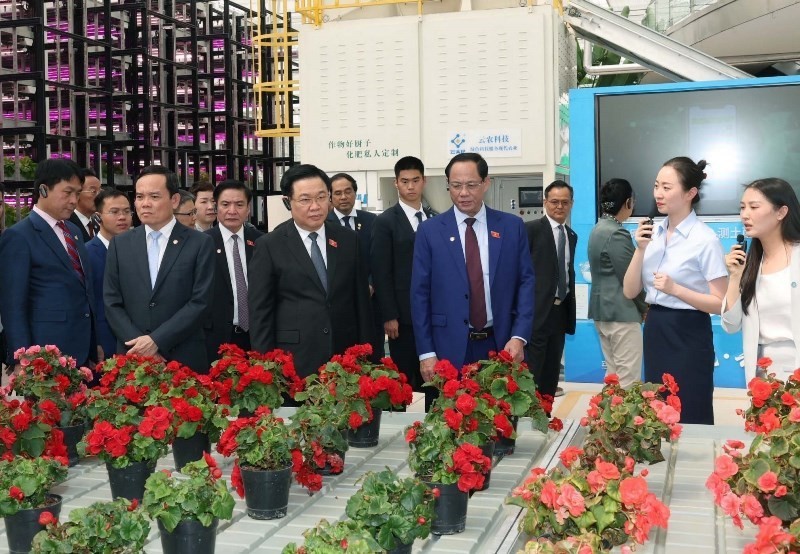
pixel 238 330
pixel 483 334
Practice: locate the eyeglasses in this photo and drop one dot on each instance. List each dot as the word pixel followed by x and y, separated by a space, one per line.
pixel 93 192
pixel 472 186
pixel 560 203
pixel 306 202
pixel 116 212
pixel 193 212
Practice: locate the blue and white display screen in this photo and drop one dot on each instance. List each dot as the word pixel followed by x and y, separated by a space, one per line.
pixel 743 133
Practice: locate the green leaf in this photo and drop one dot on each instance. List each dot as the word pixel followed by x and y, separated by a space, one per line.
pixel 604 518
pixel 784 508
pixel 778 446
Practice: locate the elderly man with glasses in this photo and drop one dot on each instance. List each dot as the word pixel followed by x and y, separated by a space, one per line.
pixel 308 289
pixel 552 244
pixel 82 216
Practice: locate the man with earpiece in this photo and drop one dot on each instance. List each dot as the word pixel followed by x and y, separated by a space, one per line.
pixel 46 289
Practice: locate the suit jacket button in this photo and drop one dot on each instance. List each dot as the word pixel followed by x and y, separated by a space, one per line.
pixel 466 297
pixel 85 315
pixel 325 330
pixel 466 322
pixel 152 304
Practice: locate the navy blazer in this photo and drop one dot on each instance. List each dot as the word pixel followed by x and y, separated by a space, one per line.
pixel 97 258
pixel 440 288
pixel 42 298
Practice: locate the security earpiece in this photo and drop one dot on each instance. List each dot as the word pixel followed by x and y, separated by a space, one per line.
pixel 43 191
pixel 287 203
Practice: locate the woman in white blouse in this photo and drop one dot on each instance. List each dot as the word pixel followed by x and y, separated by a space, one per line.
pixel 763 297
pixel 681 265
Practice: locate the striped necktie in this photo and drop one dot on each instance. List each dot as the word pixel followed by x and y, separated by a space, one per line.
pixel 72 249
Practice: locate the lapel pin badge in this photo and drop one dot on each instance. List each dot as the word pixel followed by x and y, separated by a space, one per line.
pixel 495 235
pixel 76 237
pixel 358 226
pixel 333 243
pixel 250 243
pixel 452 239
pixel 175 241
pixel 219 251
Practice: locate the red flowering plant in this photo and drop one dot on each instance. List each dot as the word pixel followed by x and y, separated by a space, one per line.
pixel 134 379
pixel 771 399
pixel 318 440
pixel 261 442
pixel 25 482
pixel 123 433
pixel 444 447
pixel 24 430
pixel 247 380
pixel 512 387
pixel 632 422
pixel 761 482
pixel 192 400
pixel 360 385
pixel 597 502
pixel 54 380
pixel 774 537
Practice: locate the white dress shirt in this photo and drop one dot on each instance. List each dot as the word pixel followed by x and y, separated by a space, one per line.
pixel 411 214
pixel 163 240
pixel 340 216
pixel 692 258
pixel 52 223
pixel 320 241
pixel 84 221
pixel 227 240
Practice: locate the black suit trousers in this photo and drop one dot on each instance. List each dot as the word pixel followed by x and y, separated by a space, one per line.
pixel 403 351
pixel 546 348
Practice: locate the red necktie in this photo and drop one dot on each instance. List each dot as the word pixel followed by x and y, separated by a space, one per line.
pixel 477 297
pixel 72 249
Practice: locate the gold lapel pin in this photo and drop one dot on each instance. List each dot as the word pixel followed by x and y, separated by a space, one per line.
pixel 175 241
pixel 219 251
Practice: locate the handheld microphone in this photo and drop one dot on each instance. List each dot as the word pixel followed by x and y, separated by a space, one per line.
pixel 651 218
pixel 741 242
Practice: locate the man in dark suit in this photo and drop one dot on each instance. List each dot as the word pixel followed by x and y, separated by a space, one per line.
pixel 234 243
pixel 551 241
pixel 472 281
pixel 46 292
pixel 343 198
pixel 113 210
pixel 308 288
pixel 157 286
pixel 392 257
pixel 82 216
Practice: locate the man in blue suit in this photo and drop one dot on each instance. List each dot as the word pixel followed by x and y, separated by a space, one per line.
pixel 113 214
pixel 472 282
pixel 46 291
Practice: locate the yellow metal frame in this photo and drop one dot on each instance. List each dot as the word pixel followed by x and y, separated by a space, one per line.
pixel 278 38
pixel 313 10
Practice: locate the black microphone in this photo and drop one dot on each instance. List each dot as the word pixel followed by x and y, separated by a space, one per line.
pixel 741 242
pixel 651 217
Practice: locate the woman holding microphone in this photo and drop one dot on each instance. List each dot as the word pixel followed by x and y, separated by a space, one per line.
pixel 763 297
pixel 680 264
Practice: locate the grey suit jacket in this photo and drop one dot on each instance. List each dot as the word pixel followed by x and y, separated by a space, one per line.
pixel 176 310
pixel 610 251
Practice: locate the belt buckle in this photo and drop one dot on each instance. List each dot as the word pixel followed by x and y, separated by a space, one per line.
pixel 238 330
pixel 557 302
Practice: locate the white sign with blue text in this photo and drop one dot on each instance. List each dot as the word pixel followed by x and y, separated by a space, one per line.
pixel 489 143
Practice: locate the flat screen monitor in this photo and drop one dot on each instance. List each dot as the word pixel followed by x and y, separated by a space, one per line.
pixel 744 133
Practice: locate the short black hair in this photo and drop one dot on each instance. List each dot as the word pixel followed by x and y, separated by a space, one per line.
pixel 201 186
pixel 300 172
pixel 559 184
pixel 172 179
pixel 105 194
pixel 88 172
pixel 408 163
pixel 54 170
pixel 477 159
pixel 233 184
pixel 345 176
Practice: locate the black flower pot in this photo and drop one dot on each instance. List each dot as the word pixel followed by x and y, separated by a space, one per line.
pixel 328 470
pixel 504 446
pixel 367 434
pixel 189 537
pixel 401 549
pixel 128 482
pixel 266 491
pixel 72 436
pixel 488 451
pixel 450 509
pixel 189 450
pixel 23 526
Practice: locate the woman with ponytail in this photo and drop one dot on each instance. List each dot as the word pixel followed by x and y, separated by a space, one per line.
pixel 680 264
pixel 617 319
pixel 763 297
